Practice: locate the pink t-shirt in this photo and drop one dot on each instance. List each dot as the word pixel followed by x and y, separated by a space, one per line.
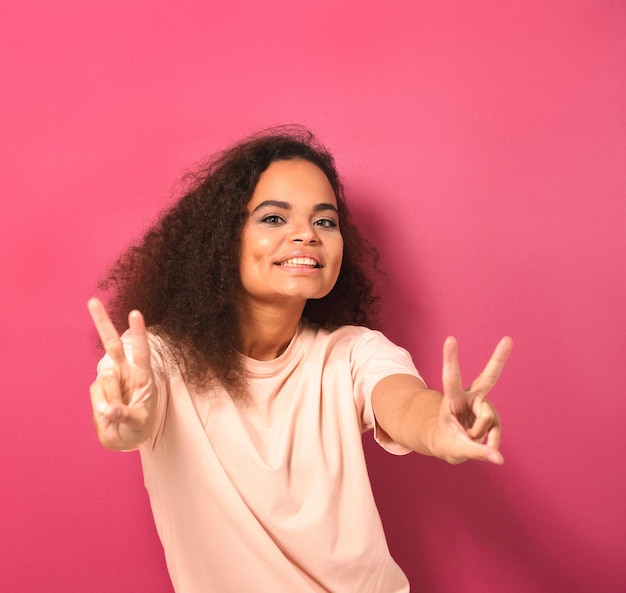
pixel 274 496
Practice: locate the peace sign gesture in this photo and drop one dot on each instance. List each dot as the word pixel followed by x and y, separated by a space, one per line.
pixel 123 396
pixel 468 424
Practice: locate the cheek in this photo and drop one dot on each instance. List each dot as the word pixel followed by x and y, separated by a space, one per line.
pixel 339 249
pixel 256 259
pixel 337 259
pixel 253 247
pixel 262 246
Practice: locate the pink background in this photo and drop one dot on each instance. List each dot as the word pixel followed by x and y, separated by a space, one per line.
pixel 483 146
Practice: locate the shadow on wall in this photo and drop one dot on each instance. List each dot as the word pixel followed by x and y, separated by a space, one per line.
pixel 452 527
pixel 393 297
pixel 471 527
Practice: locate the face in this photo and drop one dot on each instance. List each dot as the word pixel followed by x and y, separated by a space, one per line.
pixel 291 245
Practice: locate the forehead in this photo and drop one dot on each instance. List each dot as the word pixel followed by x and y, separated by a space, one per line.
pixel 293 181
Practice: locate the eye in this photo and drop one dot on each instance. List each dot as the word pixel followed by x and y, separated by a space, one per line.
pixel 273 219
pixel 328 223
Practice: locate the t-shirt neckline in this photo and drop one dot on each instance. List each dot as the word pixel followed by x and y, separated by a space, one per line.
pixel 265 368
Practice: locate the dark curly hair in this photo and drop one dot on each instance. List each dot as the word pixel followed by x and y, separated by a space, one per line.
pixel 183 275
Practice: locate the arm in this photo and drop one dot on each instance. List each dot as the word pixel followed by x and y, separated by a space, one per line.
pixel 123 397
pixel 461 424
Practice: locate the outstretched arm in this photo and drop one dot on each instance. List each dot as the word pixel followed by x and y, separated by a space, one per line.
pixel 459 425
pixel 123 396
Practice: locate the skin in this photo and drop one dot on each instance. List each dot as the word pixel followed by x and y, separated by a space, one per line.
pixel 123 398
pixel 459 424
pixel 293 224
pixel 292 214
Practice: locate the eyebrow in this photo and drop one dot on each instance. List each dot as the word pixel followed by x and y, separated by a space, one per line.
pixel 287 206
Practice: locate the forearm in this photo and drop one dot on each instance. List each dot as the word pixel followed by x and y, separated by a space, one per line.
pixel 416 425
pixel 421 419
pixel 459 425
pixel 407 411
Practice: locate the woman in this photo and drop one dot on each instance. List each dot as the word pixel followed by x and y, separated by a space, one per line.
pixel 248 394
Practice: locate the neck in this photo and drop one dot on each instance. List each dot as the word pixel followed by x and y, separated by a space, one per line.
pixel 266 330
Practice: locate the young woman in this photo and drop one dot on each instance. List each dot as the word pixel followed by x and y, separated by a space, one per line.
pixel 250 373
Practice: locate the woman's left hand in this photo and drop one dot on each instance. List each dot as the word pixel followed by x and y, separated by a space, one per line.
pixel 468 426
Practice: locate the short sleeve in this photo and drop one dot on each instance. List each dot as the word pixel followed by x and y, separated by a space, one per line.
pixel 374 357
pixel 160 378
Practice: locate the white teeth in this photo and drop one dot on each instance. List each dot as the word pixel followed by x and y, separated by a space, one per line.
pixel 299 261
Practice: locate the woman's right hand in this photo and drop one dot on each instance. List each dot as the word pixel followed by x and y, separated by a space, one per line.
pixel 123 396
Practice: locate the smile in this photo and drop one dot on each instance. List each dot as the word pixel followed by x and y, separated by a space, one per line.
pixel 299 262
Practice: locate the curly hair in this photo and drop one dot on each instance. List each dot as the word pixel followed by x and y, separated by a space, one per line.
pixel 183 275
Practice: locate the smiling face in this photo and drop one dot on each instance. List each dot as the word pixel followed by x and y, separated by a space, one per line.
pixel 291 245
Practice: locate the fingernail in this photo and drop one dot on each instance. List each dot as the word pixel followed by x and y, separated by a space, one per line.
pixel 493 457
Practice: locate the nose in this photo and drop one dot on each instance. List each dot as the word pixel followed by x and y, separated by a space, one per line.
pixel 304 232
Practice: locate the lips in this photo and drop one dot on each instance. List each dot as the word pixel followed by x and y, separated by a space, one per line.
pixel 299 262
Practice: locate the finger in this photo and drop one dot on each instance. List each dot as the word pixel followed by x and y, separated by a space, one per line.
pixel 479 452
pixel 139 335
pixel 112 387
pixel 451 375
pixel 135 418
pixel 494 437
pixel 490 374
pixel 99 401
pixel 106 396
pixel 106 330
pixel 486 424
pixel 494 456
